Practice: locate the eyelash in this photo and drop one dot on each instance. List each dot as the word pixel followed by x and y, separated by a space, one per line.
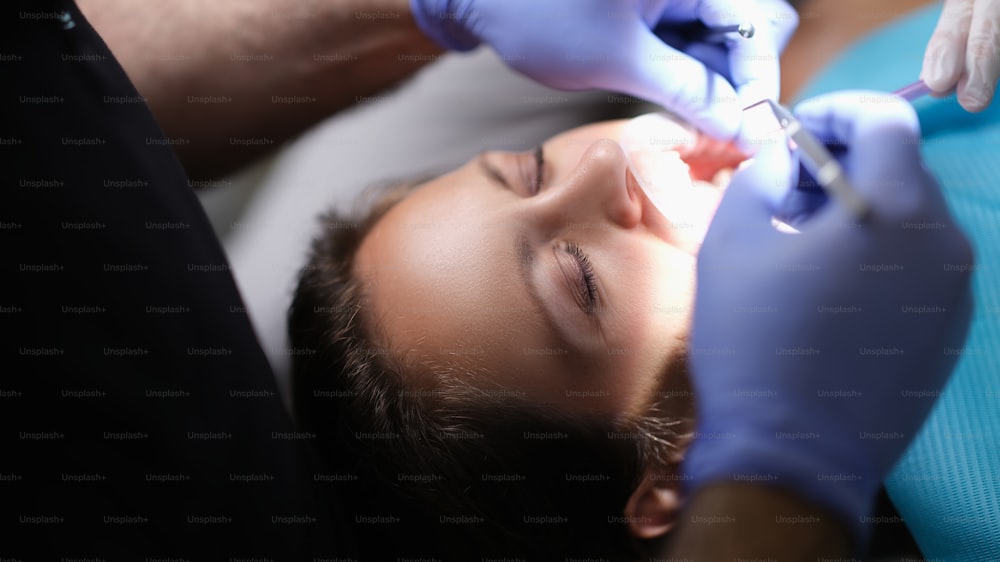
pixel 588 285
pixel 539 167
pixel 536 182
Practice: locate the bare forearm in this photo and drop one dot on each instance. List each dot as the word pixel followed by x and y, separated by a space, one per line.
pixel 235 78
pixel 730 521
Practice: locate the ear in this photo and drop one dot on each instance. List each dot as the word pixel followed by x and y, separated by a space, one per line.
pixel 652 509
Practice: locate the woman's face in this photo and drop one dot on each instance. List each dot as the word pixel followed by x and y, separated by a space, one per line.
pixel 560 281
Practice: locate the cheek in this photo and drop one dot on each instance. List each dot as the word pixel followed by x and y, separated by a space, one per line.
pixel 655 282
pixel 649 320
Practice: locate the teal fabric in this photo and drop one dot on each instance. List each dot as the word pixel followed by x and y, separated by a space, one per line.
pixel 947 485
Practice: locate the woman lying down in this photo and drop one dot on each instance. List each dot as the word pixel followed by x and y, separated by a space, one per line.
pixel 499 352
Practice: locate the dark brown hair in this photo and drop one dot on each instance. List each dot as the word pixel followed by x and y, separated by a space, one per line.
pixel 456 471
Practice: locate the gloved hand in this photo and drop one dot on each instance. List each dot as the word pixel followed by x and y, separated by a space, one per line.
pixel 965 52
pixel 609 44
pixel 816 356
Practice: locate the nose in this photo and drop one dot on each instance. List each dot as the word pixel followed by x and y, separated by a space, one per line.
pixel 599 190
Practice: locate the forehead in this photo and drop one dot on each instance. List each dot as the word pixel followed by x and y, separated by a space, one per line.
pixel 440 268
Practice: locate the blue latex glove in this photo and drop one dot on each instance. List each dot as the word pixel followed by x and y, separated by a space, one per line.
pixel 964 52
pixel 609 44
pixel 803 345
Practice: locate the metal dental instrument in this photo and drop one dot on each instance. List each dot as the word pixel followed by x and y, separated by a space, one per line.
pixel 820 163
pixel 720 33
pixel 746 29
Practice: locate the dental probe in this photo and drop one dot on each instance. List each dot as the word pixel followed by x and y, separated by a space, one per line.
pixel 720 33
pixel 820 163
pixel 746 29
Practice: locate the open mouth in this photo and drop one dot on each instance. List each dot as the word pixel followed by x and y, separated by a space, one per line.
pixel 681 171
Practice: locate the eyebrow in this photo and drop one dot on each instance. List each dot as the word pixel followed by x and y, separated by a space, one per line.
pixel 525 265
pixel 491 171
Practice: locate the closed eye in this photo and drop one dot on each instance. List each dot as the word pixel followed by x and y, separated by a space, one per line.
pixel 533 170
pixel 529 166
pixel 539 168
pixel 587 294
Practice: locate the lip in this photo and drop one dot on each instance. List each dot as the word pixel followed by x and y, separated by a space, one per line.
pixel 651 216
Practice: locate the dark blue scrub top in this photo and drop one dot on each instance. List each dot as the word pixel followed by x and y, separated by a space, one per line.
pixel 139 418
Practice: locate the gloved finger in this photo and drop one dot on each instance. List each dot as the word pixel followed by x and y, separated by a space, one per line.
pixel 784 21
pixel 752 62
pixel 944 59
pixel 714 56
pixel 755 62
pixel 752 200
pixel 882 136
pixel 805 200
pixel 982 57
pixel 675 80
